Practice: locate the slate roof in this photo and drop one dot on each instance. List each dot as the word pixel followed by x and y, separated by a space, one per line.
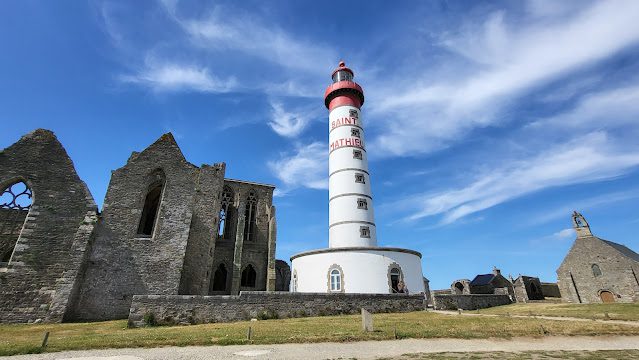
pixel 484 279
pixel 623 250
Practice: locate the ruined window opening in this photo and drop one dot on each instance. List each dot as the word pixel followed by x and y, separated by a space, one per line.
pixel 219 278
pixel 354 132
pixel 459 288
pixel 596 271
pixel 224 225
pixel 248 276
pixel 357 154
pixel 151 209
pixel 336 280
pixel 364 232
pixel 251 209
pixel 15 202
pixel 359 178
pixel 362 204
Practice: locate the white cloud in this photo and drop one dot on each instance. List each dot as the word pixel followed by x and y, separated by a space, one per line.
pixel 586 159
pixel 567 233
pixel 306 167
pixel 269 43
pixel 502 62
pixel 612 107
pixel 175 77
pixel 289 122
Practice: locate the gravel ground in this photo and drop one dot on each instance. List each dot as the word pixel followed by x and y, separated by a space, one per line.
pixel 354 350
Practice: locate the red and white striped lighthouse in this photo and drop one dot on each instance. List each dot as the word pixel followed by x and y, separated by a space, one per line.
pixel 351 217
pixel 353 262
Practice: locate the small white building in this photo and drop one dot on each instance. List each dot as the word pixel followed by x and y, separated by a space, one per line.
pixel 353 262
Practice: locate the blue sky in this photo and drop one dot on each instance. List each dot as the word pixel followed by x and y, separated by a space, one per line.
pixel 487 123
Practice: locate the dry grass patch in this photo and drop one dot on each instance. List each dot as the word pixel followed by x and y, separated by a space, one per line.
pixel 21 339
pixel 586 311
pixel 526 355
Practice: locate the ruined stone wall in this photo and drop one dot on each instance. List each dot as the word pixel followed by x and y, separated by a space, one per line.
pixel 283 276
pixel 42 278
pixel 236 253
pixel 469 302
pixel 616 273
pixel 122 262
pixel 170 310
pixel 198 263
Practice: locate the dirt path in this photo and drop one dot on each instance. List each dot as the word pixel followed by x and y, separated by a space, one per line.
pixel 358 350
pixel 560 318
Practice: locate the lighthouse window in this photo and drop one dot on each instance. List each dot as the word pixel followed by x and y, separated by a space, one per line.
pixel 353 113
pixel 364 231
pixel 354 132
pixel 336 280
pixel 359 178
pixel 362 204
pixel 357 154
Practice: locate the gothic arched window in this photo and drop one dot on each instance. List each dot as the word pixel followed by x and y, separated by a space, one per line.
pixel 596 271
pixel 219 278
pixel 224 226
pixel 15 202
pixel 249 216
pixel 151 205
pixel 248 276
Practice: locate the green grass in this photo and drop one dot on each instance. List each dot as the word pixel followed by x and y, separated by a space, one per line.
pixel 527 355
pixel 24 338
pixel 584 311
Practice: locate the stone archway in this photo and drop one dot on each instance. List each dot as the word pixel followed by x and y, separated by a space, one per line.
pixel 459 288
pixel 607 296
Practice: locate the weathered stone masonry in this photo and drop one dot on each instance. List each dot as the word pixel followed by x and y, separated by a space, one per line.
pixel 157 233
pixel 170 310
pixel 42 278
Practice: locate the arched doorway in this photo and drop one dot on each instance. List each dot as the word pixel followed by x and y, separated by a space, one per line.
pixel 219 278
pixel 607 296
pixel 459 288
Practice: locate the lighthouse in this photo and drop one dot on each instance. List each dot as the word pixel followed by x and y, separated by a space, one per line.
pixel 350 203
pixel 353 261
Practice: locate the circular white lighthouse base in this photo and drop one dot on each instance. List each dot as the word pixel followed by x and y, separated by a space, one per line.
pixel 361 270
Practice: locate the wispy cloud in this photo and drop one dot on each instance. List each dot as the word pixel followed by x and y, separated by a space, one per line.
pixel 568 233
pixel 174 77
pixel 591 203
pixel 590 158
pixel 290 121
pixel 503 61
pixel 306 167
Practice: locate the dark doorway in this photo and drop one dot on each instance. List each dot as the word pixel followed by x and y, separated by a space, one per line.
pixel 249 276
pixel 459 288
pixel 219 278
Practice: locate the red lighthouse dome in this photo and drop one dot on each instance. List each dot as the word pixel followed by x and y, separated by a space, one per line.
pixel 343 90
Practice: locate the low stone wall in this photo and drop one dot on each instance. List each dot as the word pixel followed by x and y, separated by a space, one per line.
pixel 469 302
pixel 188 309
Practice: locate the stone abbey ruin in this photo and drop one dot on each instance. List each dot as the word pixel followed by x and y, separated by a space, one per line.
pixel 167 227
